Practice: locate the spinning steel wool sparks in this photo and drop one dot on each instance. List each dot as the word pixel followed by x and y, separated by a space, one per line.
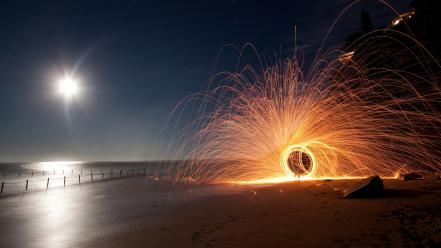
pixel 297 161
pixel 367 116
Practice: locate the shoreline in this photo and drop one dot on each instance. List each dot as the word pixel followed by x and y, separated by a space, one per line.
pixel 137 212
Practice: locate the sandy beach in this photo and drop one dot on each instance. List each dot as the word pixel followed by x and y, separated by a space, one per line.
pixel 138 212
pixel 215 124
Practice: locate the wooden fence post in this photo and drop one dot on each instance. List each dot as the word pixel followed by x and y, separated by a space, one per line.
pixel 79 179
pixel 27 183
pixel 3 185
pixel 47 185
pixel 64 181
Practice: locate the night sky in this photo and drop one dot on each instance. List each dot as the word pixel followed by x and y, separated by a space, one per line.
pixel 135 60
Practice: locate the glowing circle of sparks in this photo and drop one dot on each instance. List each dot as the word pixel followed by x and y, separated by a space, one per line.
pixel 285 164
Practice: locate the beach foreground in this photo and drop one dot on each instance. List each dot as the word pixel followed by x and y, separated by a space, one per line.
pixel 138 212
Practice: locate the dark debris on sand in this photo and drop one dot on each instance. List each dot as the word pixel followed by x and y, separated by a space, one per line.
pixel 367 188
pixel 410 176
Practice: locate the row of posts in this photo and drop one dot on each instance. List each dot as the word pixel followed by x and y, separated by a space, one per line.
pixel 72 171
pixel 44 172
pixel 79 178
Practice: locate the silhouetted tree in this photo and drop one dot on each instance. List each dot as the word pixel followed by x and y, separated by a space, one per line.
pixel 366 22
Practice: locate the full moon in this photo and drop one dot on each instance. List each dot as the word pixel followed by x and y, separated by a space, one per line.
pixel 68 87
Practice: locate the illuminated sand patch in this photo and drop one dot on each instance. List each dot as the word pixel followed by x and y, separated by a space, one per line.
pixel 293 179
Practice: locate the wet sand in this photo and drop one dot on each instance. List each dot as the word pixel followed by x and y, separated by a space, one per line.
pixel 136 212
